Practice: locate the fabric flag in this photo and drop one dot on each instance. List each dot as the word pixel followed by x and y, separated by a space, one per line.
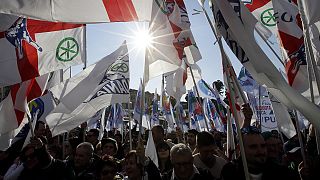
pixel 155 107
pixel 151 150
pixel 115 119
pixel 167 111
pixel 32 48
pixel 311 10
pixel 292 42
pixel 251 55
pixel 14 106
pixel 195 113
pixel 170 27
pixel 204 90
pixel 196 74
pixel 213 115
pixel 229 76
pixel 95 121
pixel 137 105
pixel 285 124
pixel 175 82
pixel 263 11
pixel 183 119
pixel 101 84
pixel 83 11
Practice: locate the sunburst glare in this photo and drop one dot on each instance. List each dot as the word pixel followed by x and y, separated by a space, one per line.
pixel 142 39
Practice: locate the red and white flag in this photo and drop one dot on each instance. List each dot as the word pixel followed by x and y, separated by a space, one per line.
pixel 80 11
pixel 32 48
pixel 14 106
pixel 236 24
pixel 170 28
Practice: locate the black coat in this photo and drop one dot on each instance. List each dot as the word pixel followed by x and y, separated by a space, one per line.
pixel 271 171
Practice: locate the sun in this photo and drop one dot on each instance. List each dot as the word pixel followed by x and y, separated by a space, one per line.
pixel 142 39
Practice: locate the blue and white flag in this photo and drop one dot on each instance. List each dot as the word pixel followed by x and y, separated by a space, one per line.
pixel 155 112
pixel 115 119
pixel 101 84
pixel 205 90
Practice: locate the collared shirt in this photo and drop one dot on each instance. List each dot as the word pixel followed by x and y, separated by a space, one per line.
pixel 195 171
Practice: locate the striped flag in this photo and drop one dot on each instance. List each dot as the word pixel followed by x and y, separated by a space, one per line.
pixel 80 11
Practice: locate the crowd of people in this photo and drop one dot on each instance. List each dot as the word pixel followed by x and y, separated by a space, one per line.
pixel 181 155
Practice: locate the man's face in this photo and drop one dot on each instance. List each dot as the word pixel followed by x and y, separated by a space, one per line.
pixel 191 139
pixel 273 147
pixel 182 165
pixel 82 158
pixel 157 135
pixel 206 153
pixel 109 149
pixel 91 138
pixel 255 149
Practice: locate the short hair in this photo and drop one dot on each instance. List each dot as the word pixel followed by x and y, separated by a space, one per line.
pixel 87 146
pixel 158 128
pixel 163 145
pixel 112 141
pixel 193 131
pixel 95 132
pixel 38 124
pixel 205 139
pixel 180 149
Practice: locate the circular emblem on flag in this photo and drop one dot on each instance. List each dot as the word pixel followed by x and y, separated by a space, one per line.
pixel 163 6
pixel 67 49
pixel 36 105
pixel 119 67
pixel 267 17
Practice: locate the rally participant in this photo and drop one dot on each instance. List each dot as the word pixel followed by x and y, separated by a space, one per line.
pixel 206 158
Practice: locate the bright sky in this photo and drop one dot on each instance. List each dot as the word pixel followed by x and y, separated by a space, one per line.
pixel 102 39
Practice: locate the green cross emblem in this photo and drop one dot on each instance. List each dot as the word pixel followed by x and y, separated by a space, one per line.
pixel 67 49
pixel 267 17
pixel 120 67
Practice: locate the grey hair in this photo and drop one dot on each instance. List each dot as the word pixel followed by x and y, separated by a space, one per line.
pixel 87 146
pixel 180 149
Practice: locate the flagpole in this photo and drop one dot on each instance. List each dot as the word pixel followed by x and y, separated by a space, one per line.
pixel 198 99
pixel 300 139
pixel 310 57
pixel 243 156
pixel 230 145
pixel 129 114
pixel 85 46
pixel 102 123
pixel 237 120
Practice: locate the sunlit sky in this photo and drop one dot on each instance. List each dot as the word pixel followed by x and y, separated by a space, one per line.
pixel 102 39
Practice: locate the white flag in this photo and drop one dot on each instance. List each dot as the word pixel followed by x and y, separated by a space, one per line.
pixel 31 48
pixel 251 56
pixel 311 9
pixel 101 84
pixel 83 11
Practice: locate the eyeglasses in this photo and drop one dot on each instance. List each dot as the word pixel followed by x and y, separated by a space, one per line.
pixel 250 130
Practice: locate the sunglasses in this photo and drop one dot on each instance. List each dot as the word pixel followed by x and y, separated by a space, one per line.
pixel 250 130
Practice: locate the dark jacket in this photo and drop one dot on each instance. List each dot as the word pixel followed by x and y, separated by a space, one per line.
pixel 203 175
pixel 270 171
